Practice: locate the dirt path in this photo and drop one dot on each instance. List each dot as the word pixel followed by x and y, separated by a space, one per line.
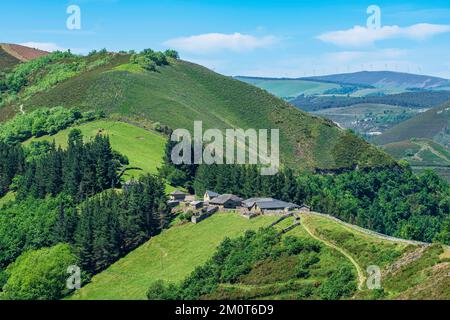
pixel 361 277
pixel 368 232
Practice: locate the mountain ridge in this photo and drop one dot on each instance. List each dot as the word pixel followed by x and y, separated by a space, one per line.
pixel 182 92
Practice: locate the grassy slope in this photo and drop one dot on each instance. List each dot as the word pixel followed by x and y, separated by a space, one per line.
pixel 422 154
pixel 7 61
pixel 143 148
pixel 183 92
pixel 174 254
pixel 416 277
pixel 170 256
pixel 347 116
pixel 431 125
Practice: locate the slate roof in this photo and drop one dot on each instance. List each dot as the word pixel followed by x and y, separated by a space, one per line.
pixel 178 192
pixel 212 193
pixel 224 198
pixel 269 203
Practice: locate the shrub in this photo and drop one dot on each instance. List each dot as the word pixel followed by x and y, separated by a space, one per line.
pixel 39 274
pixel 158 290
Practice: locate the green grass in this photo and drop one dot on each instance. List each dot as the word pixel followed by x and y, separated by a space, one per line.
pixel 365 249
pixel 422 154
pixel 10 196
pixel 170 256
pixel 174 254
pixel 143 148
pixel 429 125
pixel 183 92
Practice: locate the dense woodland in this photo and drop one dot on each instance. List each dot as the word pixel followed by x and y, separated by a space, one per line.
pixel 69 197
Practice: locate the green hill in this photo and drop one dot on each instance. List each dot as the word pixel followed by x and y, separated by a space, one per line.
pixel 422 154
pixel 174 254
pixel 180 93
pixel 144 149
pixel 433 125
pixel 170 256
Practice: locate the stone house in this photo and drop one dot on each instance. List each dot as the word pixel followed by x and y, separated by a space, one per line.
pixel 226 201
pixel 267 206
pixel 178 195
pixel 209 195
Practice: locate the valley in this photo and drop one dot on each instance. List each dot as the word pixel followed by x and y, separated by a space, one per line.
pixel 86 175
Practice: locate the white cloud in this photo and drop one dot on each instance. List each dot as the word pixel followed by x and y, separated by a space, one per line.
pixel 214 42
pixel 46 46
pixel 361 36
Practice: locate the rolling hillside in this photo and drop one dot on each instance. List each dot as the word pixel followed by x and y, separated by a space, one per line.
pixel 433 125
pixel 408 269
pixel 181 93
pixel 12 54
pixel 422 154
pixel 144 149
pixel 385 79
pixel 368 119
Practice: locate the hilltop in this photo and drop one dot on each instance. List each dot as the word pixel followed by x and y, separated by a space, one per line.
pixel 13 54
pixel 177 94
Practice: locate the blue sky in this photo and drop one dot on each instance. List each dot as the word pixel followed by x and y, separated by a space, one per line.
pixel 260 38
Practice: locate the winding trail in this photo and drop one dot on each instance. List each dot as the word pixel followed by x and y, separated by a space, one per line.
pixel 361 277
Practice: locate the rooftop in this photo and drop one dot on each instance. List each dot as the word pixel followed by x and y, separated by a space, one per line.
pixel 212 193
pixel 178 192
pixel 224 198
pixel 269 203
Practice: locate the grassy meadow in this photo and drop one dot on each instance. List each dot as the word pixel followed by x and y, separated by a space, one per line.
pixel 143 148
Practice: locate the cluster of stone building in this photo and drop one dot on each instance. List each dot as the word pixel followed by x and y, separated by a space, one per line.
pixel 213 202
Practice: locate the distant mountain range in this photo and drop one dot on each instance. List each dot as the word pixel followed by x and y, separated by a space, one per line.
pixel 385 79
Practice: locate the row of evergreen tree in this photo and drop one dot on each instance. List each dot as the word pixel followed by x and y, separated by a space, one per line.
pixel 84 208
pixel 81 170
pixel 113 223
pixel 247 182
pixel 12 162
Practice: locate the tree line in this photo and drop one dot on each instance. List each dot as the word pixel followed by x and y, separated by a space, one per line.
pixel 81 170
pixel 68 196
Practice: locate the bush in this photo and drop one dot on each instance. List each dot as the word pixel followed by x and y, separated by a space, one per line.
pixel 149 59
pixel 172 54
pixel 39 274
pixel 341 284
pixel 41 122
pixel 158 290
